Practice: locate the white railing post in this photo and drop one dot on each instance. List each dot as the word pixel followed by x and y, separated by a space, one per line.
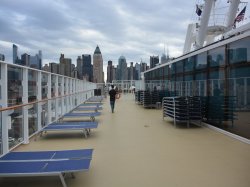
pixel 49 99
pixel 4 104
pixel 62 98
pixel 25 108
pixel 39 98
pixel 57 99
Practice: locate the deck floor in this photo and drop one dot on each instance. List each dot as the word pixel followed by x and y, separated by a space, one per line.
pixel 135 147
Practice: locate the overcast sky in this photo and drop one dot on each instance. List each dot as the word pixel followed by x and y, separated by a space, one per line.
pixel 135 29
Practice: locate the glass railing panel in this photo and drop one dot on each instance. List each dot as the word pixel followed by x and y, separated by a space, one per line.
pixel 32 118
pixel 32 85
pixel 44 114
pixel 15 87
pixel 44 85
pixel 53 110
pixel 16 132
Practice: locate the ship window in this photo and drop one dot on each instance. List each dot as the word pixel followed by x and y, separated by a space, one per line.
pixel 216 57
pixel 201 61
pixel 237 51
pixel 189 64
pixel 166 71
pixel 179 66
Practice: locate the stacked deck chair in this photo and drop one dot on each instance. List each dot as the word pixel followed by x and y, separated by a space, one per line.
pixel 45 163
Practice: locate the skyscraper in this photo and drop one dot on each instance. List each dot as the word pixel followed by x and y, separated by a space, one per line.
pixel 54 67
pixel 2 57
pixel 137 71
pixel 87 69
pixel 122 70
pixel 110 72
pixel 15 54
pixel 131 72
pixel 65 66
pixel 153 61
pixel 36 61
pixel 79 66
pixel 98 66
pixel 25 59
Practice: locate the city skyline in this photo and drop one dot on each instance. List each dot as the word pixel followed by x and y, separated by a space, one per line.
pixel 136 30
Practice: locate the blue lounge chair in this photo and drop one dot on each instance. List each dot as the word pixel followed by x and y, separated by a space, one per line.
pixel 87 109
pixel 45 163
pixel 48 155
pixel 85 126
pixel 92 115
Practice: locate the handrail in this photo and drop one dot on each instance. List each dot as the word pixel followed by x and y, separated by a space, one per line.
pixel 44 100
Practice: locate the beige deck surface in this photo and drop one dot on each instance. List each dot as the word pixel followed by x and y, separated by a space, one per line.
pixel 134 147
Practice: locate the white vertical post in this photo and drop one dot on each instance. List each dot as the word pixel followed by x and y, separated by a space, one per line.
pixel 56 100
pixel 4 104
pixel 39 98
pixel 67 92
pixel 25 108
pixel 62 98
pixel 201 35
pixel 232 11
pixel 49 99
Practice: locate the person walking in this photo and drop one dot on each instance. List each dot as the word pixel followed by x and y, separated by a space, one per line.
pixel 112 94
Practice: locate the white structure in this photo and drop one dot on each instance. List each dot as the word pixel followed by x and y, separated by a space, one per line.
pixel 200 34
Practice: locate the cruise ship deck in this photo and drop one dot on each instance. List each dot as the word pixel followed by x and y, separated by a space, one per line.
pixel 135 147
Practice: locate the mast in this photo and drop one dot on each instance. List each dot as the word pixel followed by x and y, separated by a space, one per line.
pixel 201 35
pixel 232 13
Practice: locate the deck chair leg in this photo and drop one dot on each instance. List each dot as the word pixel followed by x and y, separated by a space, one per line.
pixel 85 134
pixel 88 131
pixel 72 175
pixel 92 118
pixel 62 180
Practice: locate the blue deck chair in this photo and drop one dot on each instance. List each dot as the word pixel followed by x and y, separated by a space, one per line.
pixel 84 126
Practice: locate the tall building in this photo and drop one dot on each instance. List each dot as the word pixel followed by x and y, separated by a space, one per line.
pixel 54 67
pixel 36 61
pixel 15 54
pixel 131 72
pixel 153 61
pixel 65 66
pixel 122 70
pixel 144 66
pixel 79 67
pixel 137 71
pixel 98 66
pixel 2 57
pixel 110 72
pixel 87 68
pixel 25 59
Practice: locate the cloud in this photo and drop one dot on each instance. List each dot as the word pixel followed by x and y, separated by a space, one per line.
pixel 135 29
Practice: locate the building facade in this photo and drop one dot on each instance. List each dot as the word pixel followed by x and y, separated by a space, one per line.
pixel 65 66
pixel 98 75
pixel 122 69
pixel 153 61
pixel 87 68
